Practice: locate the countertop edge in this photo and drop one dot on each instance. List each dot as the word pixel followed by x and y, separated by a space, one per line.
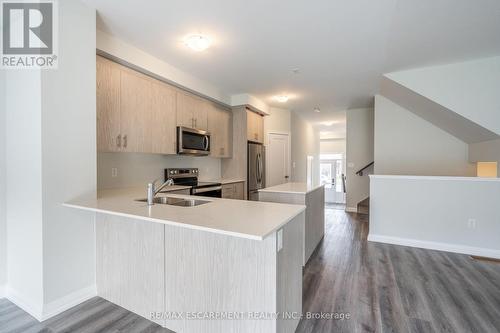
pixel 270 190
pixel 186 225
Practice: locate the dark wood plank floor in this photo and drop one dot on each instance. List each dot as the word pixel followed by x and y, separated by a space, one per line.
pixel 383 288
pixel 92 316
pixel 388 288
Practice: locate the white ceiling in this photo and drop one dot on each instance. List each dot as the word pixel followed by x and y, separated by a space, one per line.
pixel 340 47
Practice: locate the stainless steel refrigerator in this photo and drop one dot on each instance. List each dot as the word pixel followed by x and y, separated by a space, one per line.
pixel 256 170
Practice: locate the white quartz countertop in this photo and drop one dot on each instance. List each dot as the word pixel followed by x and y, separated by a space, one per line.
pixel 295 188
pixel 240 218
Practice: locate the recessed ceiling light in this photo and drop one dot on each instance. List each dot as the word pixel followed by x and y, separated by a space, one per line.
pixel 197 42
pixel 281 98
pixel 317 110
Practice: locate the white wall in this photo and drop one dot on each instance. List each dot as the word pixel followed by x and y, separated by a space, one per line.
pixel 50 158
pixel 278 121
pixel 132 55
pixel 406 144
pixel 140 169
pixel 434 212
pixel 468 88
pixel 3 222
pixel 305 142
pixel 359 152
pixel 332 146
pixel 24 188
pixel 69 154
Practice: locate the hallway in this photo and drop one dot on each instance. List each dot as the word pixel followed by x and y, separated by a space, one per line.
pixel 388 288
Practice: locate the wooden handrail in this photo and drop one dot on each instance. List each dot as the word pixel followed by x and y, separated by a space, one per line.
pixel 360 172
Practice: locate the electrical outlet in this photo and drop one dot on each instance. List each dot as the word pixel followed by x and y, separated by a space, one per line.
pixel 280 239
pixel 471 223
pixel 294 165
pixel 114 172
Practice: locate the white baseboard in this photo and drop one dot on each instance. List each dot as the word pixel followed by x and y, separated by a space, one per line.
pixel 64 303
pixel 43 312
pixel 455 248
pixel 351 209
pixel 25 303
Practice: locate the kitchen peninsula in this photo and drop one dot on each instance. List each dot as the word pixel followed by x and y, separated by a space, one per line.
pixel 313 197
pixel 222 257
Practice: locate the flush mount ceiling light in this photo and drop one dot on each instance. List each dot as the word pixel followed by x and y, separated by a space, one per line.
pixel 317 110
pixel 281 98
pixel 197 42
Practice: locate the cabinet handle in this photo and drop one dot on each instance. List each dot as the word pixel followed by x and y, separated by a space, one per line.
pixel 125 141
pixel 119 140
pixel 195 123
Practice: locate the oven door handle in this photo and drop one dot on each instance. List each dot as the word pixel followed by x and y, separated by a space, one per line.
pixel 206 189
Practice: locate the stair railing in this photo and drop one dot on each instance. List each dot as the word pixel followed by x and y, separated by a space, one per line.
pixel 360 171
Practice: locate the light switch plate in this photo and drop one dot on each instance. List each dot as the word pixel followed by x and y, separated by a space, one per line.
pixel 350 165
pixel 280 239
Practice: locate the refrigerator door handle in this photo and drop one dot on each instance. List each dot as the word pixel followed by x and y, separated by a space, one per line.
pixel 261 169
pixel 257 165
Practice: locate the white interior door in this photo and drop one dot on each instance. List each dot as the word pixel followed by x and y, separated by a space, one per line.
pixel 278 159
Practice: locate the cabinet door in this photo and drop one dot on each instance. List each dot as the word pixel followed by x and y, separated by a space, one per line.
pixel 228 191
pixel 260 128
pixel 135 112
pixel 213 127
pixel 220 128
pixel 200 114
pixel 108 105
pixel 250 126
pixel 186 106
pixel 255 127
pixel 239 191
pixel 163 118
pixel 226 133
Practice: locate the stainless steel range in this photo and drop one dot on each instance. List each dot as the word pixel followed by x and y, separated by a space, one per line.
pixel 189 177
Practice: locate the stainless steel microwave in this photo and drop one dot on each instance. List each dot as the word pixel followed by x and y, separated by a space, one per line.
pixel 192 141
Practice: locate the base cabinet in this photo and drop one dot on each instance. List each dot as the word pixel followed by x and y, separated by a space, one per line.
pixel 153 269
pixel 233 191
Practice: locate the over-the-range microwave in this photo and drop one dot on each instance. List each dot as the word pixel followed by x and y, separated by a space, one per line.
pixel 191 141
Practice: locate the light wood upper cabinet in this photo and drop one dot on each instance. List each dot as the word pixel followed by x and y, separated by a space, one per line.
pixel 191 111
pixel 108 105
pixel 255 127
pixel 163 118
pixel 136 112
pixel 220 128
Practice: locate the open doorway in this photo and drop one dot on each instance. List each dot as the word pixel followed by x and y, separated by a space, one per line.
pixel 332 176
pixel 332 171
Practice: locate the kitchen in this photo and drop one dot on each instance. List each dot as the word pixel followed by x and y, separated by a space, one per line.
pixel 167 161
pixel 160 171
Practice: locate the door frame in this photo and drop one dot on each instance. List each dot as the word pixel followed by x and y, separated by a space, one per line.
pixel 268 159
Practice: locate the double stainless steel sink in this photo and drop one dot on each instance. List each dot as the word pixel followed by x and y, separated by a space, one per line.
pixel 176 201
